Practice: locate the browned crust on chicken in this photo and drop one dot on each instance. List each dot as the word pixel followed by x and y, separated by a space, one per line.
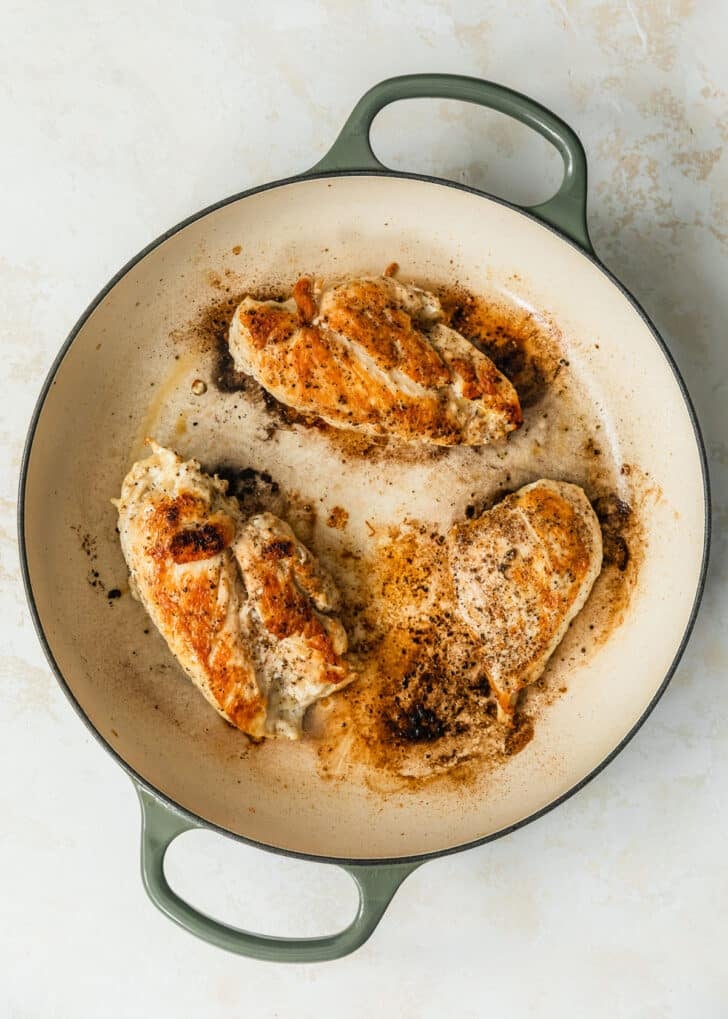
pixel 285 584
pixel 243 605
pixel 377 356
pixel 364 311
pixel 303 296
pixel 270 324
pixel 189 607
pixel 522 571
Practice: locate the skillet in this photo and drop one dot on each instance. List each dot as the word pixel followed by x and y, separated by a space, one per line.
pixel 94 411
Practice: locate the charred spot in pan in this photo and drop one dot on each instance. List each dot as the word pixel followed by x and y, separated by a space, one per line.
pixel 611 508
pixel 519 346
pixel 511 359
pixel 226 377
pixel 197 543
pixel 615 550
pixel 284 415
pixel 416 724
pixel 246 481
pixel 614 516
pixel 256 491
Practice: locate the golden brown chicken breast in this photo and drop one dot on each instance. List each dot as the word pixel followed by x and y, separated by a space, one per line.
pixel 376 356
pixel 244 606
pixel 522 571
pixel 289 608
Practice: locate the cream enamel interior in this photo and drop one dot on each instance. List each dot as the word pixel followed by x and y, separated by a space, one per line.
pixel 95 416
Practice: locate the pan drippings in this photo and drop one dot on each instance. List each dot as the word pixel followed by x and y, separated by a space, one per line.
pixel 376 513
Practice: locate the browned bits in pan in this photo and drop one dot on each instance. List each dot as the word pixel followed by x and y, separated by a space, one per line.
pixel 337 518
pixel 614 516
pixel 422 706
pixel 520 346
pixel 416 724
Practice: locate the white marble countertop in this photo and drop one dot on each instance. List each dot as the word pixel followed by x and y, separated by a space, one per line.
pixel 119 120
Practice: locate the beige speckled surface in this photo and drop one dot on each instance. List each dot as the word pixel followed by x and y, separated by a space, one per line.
pixel 119 122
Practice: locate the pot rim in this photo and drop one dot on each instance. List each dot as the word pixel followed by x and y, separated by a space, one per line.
pixel 196 819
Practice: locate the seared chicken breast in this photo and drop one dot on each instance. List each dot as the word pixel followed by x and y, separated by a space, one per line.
pixel 375 356
pixel 522 571
pixel 299 643
pixel 244 607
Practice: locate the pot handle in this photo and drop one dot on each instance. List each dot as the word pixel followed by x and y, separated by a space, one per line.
pixel 376 884
pixel 566 210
